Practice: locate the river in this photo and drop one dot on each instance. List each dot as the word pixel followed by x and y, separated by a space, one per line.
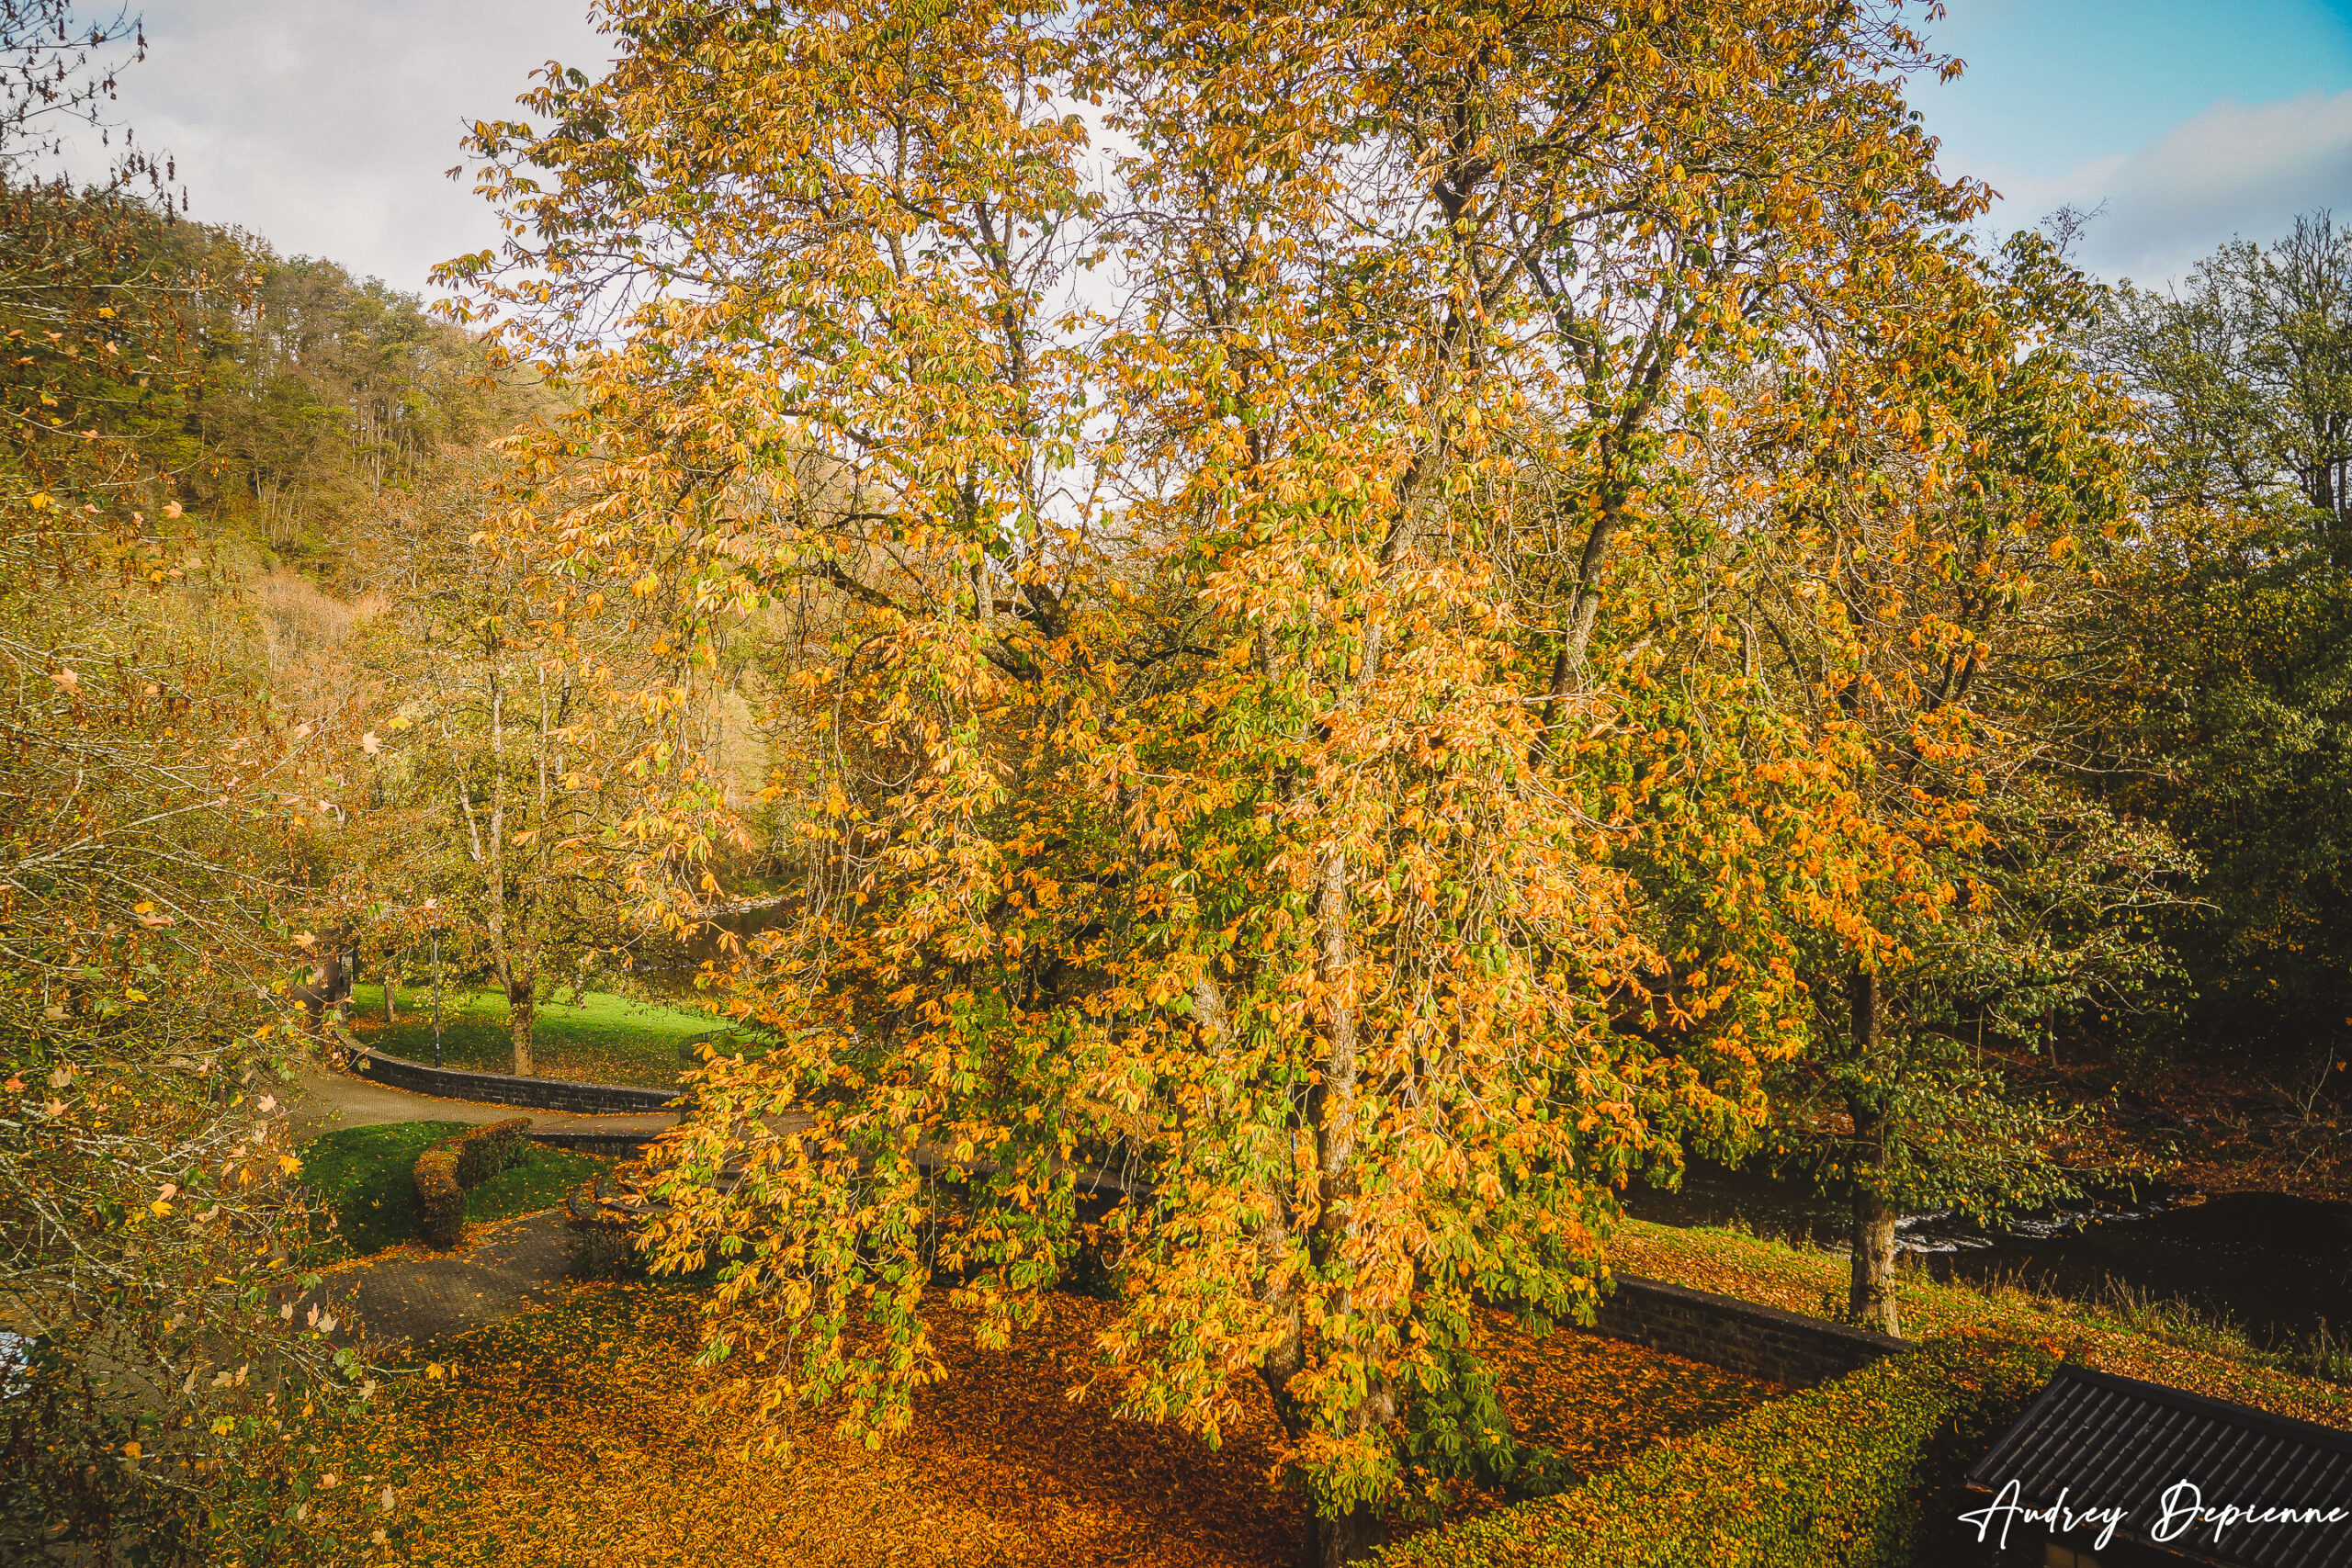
pixel 2278 1267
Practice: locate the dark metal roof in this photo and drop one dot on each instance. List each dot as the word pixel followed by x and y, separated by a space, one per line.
pixel 2111 1442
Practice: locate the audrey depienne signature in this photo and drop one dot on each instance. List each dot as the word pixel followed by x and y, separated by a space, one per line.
pixel 2181 1509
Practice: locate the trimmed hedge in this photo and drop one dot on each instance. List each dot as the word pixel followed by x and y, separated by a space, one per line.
pixel 446 1169
pixel 1852 1474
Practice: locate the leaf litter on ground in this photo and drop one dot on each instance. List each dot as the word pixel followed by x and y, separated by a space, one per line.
pixel 585 1436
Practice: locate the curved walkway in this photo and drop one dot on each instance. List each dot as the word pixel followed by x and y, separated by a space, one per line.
pixel 408 1296
pixel 417 1297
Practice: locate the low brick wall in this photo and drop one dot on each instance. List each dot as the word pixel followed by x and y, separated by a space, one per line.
pixel 1737 1335
pixel 504 1089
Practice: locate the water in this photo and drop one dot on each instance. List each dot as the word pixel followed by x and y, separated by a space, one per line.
pixel 16 1362
pixel 2278 1267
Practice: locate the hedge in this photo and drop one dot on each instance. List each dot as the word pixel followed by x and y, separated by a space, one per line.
pixel 464 1159
pixel 1855 1473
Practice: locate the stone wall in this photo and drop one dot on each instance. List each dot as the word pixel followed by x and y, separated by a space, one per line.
pixel 502 1089
pixel 606 1145
pixel 1737 1335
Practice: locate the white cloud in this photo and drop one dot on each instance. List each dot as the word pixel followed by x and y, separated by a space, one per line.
pixel 327 126
pixel 2026 198
pixel 2231 171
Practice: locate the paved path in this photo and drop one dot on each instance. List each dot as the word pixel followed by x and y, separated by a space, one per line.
pixel 419 1297
pixel 411 1296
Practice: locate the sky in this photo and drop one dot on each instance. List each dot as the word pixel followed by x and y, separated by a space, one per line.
pixel 2192 121
pixel 327 126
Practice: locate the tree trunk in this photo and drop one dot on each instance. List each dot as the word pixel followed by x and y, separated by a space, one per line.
pixel 522 1012
pixel 329 990
pixel 316 996
pixel 1871 1301
pixel 392 993
pixel 1353 1535
pixel 517 982
pixel 1351 1538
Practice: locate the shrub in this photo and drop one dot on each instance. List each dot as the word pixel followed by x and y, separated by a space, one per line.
pixel 1848 1475
pixel 483 1152
pixel 443 1171
pixel 440 1198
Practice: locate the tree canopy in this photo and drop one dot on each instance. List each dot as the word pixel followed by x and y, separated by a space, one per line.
pixel 1269 511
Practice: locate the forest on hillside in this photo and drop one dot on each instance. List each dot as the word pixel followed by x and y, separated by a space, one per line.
pixel 1384 631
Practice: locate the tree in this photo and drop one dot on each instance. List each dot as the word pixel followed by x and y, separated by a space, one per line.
pixel 494 796
pixel 2240 612
pixel 2248 372
pixel 321 393
pixel 1932 561
pixel 151 798
pixel 1212 791
pixel 59 71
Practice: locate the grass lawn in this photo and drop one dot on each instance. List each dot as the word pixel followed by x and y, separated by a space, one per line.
pixel 2155 1344
pixel 599 1038
pixel 363 1176
pixel 585 1436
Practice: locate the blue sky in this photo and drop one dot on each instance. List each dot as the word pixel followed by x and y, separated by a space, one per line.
pixel 326 125
pixel 2193 120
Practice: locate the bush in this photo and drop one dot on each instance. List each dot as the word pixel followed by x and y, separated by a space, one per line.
pixel 1848 1475
pixel 465 1160
pixel 483 1152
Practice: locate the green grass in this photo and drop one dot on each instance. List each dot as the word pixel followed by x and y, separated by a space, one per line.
pixel 361 1176
pixel 598 1038
pixel 2119 1333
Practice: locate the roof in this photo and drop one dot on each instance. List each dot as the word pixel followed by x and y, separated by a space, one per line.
pixel 2110 1441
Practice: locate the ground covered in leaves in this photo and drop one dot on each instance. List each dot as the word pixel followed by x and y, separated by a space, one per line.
pixel 1597 1401
pixel 583 1437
